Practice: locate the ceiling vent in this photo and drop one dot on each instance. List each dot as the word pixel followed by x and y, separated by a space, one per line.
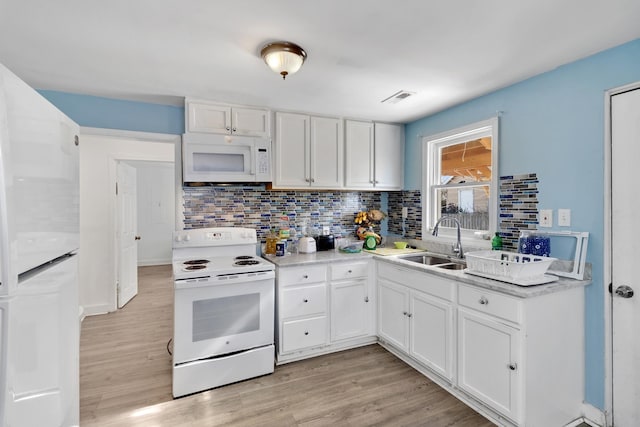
pixel 400 95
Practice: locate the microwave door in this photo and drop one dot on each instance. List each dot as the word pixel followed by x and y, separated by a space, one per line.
pixel 218 163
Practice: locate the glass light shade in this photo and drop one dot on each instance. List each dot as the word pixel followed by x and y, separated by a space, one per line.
pixel 283 57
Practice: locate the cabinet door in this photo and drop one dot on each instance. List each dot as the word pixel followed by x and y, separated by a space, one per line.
pixel 250 122
pixel 350 310
pixel 327 148
pixel 389 156
pixel 292 151
pixel 431 328
pixel 359 154
pixel 489 362
pixel 208 118
pixel 392 314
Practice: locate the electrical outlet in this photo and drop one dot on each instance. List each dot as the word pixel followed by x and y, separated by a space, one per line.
pixel 405 212
pixel 564 217
pixel 546 218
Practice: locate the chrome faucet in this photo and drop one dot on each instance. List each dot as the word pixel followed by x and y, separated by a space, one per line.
pixel 457 248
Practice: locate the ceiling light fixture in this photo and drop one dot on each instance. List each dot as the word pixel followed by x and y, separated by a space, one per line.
pixel 283 57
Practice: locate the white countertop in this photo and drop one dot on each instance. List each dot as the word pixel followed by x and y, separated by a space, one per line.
pixel 326 257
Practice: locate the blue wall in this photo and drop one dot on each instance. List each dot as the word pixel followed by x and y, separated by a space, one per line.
pixel 553 125
pixel 93 111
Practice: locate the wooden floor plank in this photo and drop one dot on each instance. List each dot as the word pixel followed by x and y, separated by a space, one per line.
pixel 125 380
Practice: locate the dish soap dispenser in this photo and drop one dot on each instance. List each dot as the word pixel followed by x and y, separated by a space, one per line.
pixel 496 242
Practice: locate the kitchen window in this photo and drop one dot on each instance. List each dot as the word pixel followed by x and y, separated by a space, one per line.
pixel 460 180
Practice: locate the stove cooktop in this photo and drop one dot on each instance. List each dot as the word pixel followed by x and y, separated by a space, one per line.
pixel 192 268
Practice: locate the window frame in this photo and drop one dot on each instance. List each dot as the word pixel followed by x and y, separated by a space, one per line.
pixel 431 171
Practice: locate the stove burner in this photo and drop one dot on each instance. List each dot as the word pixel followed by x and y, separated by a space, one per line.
pixel 246 262
pixel 243 257
pixel 195 267
pixel 196 261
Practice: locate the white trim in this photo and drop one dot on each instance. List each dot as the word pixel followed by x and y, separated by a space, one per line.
pixel 152 262
pixel 429 145
pixel 607 274
pixel 152 137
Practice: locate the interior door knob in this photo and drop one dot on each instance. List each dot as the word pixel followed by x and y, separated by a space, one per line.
pixel 624 291
pixel 137 238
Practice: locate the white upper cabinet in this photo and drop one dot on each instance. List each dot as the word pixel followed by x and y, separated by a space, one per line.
pixel 359 154
pixel 374 156
pixel 389 156
pixel 308 152
pixel 205 117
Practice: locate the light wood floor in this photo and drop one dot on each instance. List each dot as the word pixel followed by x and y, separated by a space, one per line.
pixel 125 380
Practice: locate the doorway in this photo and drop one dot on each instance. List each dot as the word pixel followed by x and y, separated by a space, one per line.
pixel 100 152
pixel 621 253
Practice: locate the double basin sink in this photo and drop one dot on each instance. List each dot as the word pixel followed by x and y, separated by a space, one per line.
pixel 438 262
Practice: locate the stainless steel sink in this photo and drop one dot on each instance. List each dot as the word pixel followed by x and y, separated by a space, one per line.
pixel 427 259
pixel 439 262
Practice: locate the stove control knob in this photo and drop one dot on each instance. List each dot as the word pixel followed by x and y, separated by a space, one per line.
pixel 178 238
pixel 187 238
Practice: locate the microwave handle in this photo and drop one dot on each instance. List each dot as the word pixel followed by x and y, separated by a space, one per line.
pixel 254 159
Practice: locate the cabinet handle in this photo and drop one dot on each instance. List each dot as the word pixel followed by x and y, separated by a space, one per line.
pixel 513 366
pixel 305 277
pixel 349 272
pixel 305 300
pixel 366 299
pixel 376 182
pixel 409 314
pixel 234 129
pixel 306 332
pixel 371 181
pixel 228 128
pixel 313 180
pixel 404 313
pixel 307 180
pixel 483 301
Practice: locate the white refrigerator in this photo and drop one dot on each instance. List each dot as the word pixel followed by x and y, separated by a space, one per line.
pixel 39 235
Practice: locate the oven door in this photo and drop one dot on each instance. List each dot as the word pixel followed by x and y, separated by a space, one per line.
pixel 212 319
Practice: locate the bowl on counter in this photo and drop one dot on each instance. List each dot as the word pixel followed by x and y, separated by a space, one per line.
pixel 400 245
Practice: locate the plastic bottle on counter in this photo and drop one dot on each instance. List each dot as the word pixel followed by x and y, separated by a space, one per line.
pixel 285 231
pixel 496 242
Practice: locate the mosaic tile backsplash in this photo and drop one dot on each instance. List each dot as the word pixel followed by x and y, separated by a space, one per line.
pixel 255 207
pixel 518 207
pixel 412 200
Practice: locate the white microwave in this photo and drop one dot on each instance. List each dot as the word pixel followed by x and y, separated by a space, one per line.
pixel 225 158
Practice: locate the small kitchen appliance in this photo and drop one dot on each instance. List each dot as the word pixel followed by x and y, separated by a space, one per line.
pixel 224 309
pixel 325 243
pixel 306 245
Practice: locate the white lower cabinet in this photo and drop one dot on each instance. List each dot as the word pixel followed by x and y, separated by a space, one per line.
pixel 519 361
pixel 416 322
pixel 323 308
pixel 488 361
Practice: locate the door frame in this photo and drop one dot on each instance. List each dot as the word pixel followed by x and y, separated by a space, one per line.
pixel 608 274
pixel 112 160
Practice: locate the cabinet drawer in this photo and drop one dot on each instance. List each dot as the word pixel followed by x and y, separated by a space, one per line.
pixel 418 280
pixel 348 270
pixel 302 275
pixel 303 301
pixel 492 303
pixel 297 334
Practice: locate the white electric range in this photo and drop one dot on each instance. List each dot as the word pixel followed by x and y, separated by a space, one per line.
pixel 224 309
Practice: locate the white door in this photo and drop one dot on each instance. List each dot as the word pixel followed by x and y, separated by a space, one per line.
pixel 359 154
pixel 625 152
pixel 389 156
pixel 292 151
pixel 349 310
pixel 127 217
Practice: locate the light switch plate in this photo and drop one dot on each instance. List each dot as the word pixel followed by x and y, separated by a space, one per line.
pixel 564 217
pixel 546 218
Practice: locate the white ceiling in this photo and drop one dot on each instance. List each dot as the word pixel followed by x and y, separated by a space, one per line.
pixel 359 51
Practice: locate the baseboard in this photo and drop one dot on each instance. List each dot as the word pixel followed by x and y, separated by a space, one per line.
pixel 93 310
pixel 593 416
pixel 152 262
